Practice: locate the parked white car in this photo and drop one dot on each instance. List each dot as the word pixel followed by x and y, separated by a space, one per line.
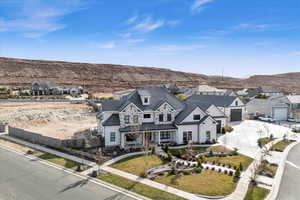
pixel 291 120
pixel 267 119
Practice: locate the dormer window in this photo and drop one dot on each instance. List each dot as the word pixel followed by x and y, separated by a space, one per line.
pixel 146 100
pixel 197 117
pixel 236 103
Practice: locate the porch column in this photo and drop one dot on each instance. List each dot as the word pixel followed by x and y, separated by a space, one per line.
pixel 159 137
pixel 122 138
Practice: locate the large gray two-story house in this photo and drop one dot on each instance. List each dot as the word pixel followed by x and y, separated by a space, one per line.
pixel 153 115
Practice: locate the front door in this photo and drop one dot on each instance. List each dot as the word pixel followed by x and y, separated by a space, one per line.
pixel 187 136
pixel 219 126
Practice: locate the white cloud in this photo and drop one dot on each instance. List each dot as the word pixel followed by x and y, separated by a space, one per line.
pixel 148 25
pixel 131 20
pixel 36 18
pixel 108 45
pixel 133 41
pixel 198 5
pixel 252 27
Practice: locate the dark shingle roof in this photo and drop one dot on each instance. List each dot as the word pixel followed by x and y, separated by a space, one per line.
pixel 189 107
pixel 113 120
pixel 219 101
pixel 150 127
pixel 196 122
pixel 158 95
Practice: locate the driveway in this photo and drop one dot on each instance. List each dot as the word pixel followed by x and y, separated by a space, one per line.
pixel 23 179
pixel 290 183
pixel 246 133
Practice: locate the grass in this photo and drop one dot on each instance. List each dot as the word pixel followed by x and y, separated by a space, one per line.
pixel 280 146
pixel 138 188
pixel 208 182
pixel 265 140
pixel 256 193
pixel 58 160
pixel 138 165
pixel 234 160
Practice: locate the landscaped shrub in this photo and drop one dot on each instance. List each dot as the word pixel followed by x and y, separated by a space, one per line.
pixel 143 174
pixel 153 150
pixel 170 157
pixel 187 172
pixel 225 172
pixel 241 166
pixel 219 170
pixel 230 173
pixel 227 129
pixel 237 173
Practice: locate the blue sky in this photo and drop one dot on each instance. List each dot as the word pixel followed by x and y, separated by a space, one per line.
pixel 241 37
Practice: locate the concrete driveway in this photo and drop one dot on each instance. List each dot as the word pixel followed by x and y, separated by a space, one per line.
pixel 22 179
pixel 246 133
pixel 290 183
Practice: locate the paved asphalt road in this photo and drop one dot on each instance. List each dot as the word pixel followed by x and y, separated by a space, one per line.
pixel 290 184
pixel 22 179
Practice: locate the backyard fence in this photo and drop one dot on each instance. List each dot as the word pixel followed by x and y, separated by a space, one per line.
pixel 44 140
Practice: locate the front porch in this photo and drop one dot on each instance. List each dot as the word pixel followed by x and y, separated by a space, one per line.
pixel 145 138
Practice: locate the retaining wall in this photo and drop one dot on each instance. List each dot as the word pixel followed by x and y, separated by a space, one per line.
pixel 45 140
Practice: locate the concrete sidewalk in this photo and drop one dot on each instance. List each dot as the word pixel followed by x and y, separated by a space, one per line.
pixel 48 150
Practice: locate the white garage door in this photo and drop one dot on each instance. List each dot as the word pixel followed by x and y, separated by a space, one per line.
pixel 280 114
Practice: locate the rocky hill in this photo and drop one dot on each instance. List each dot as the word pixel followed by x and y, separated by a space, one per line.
pixel 108 77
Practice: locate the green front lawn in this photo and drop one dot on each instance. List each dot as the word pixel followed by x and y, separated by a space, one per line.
pixel 139 188
pixel 265 140
pixel 280 146
pixel 58 160
pixel 208 182
pixel 256 193
pixel 233 160
pixel 138 165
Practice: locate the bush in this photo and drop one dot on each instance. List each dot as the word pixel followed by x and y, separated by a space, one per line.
pixel 228 129
pixel 241 167
pixel 153 150
pixel 187 172
pixel 143 174
pixel 237 173
pixel 198 170
pixel 170 157
pixel 165 148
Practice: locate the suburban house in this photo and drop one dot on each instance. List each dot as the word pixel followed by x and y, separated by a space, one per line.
pixel 231 106
pixel 48 88
pixel 209 90
pixel 153 115
pixel 294 106
pixel 275 107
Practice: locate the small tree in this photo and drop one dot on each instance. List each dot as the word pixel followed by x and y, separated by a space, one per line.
pixel 170 157
pixel 237 173
pixel 241 166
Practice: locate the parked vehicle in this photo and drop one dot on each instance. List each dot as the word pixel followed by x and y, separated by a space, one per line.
pixel 291 120
pixel 267 119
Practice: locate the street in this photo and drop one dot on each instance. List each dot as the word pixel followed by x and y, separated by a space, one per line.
pixel 290 184
pixel 24 179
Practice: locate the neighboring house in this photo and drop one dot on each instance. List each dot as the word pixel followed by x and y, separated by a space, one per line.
pixel 270 91
pixel 294 106
pixel 48 88
pixel 275 107
pixel 153 115
pixel 232 106
pixel 207 90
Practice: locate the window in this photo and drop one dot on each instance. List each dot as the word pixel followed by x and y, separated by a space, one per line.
pixel 161 117
pixel 169 117
pixel 147 116
pixel 146 100
pixel 197 117
pixel 129 139
pixel 208 136
pixel 135 119
pixel 126 119
pixel 187 136
pixel 165 135
pixel 236 103
pixel 112 137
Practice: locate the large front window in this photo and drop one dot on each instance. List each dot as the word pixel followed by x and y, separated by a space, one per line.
pixel 126 119
pixel 161 117
pixel 208 137
pixel 165 135
pixel 112 137
pixel 187 136
pixel 135 119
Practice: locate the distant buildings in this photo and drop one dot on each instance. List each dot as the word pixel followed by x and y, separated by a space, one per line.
pixel 207 90
pixel 48 88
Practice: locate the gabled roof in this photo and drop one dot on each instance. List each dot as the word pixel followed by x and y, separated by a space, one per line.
pixel 157 96
pixel 198 122
pixel 113 120
pixel 294 98
pixel 268 89
pixel 217 100
pixel 190 107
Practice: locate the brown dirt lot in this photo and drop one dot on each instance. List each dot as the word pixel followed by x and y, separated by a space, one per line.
pixel 54 119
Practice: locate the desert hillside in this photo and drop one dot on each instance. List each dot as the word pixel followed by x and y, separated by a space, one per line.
pixel 108 77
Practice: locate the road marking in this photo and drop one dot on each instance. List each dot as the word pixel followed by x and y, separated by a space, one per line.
pixel 293 165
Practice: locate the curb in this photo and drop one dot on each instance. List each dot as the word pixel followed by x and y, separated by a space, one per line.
pixel 277 180
pixel 93 180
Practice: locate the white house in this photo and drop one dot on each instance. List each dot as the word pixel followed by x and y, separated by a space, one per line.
pixel 231 106
pixel 209 90
pixel 153 115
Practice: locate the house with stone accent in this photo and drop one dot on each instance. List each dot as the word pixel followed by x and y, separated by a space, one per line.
pixel 152 115
pixel 48 88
